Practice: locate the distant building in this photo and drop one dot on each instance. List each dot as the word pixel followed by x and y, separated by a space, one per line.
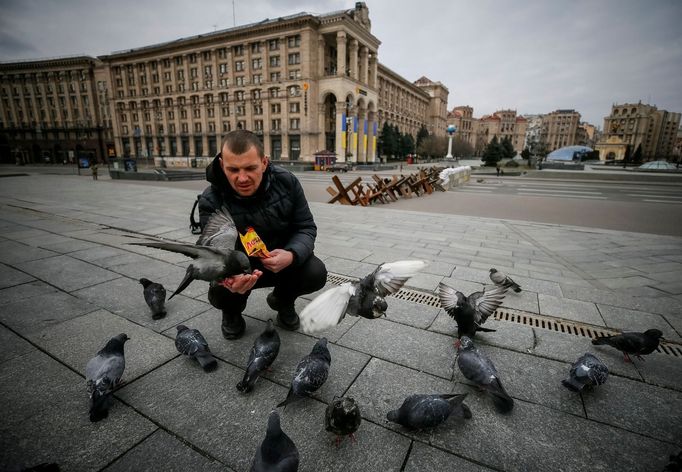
pixel 633 125
pixel 462 118
pixel 504 124
pixel 533 133
pixel 559 129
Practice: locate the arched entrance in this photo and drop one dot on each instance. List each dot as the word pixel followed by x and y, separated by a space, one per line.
pixel 329 126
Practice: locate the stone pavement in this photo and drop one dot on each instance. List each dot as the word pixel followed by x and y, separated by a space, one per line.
pixel 69 282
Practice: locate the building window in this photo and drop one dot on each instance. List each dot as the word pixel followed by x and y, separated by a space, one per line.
pixel 257 79
pixel 294 58
pixel 256 63
pixel 294 41
pixel 255 48
pixel 241 110
pixel 258 125
pixel 294 91
pixel 274 61
pixel 294 107
pixel 185 128
pixel 226 126
pixel 207 55
pixel 238 50
pixel 275 76
pixel 276 124
pixel 258 109
pixel 294 123
pixel 197 127
pixel 223 68
pixel 275 108
pixel 193 73
pixel 273 44
pixel 196 113
pixel 225 111
pixel 239 66
pixel 222 53
pixel 239 81
pixel 294 74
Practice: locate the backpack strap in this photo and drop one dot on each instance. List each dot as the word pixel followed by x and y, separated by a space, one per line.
pixel 194 225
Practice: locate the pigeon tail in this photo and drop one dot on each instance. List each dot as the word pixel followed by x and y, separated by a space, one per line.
pixel 601 340
pixel 516 287
pixel 485 330
pixel 183 285
pixel 99 406
pixel 159 314
pixel 291 397
pixel 249 380
pixel 466 412
pixel 573 384
pixel 206 361
pixel 503 402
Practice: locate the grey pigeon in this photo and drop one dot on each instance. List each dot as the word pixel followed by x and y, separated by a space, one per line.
pixel 102 373
pixel 342 417
pixel 263 353
pixel 190 342
pixel 277 452
pixel 215 256
pixel 155 296
pixel 502 280
pixel 428 411
pixel 637 344
pixel 477 368
pixel 587 370
pixel 362 298
pixel 472 311
pixel 311 372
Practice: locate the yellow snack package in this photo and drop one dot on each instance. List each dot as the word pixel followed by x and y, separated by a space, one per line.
pixel 253 244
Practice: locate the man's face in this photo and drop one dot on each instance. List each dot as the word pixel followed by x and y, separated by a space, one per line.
pixel 243 171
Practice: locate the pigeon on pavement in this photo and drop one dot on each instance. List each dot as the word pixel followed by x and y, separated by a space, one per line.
pixel 155 296
pixel 637 344
pixel 263 354
pixel 480 370
pixel 277 452
pixel 502 280
pixel 362 298
pixel 587 370
pixel 215 256
pixel 102 373
pixel 311 373
pixel 342 418
pixel 472 311
pixel 428 411
pixel 190 342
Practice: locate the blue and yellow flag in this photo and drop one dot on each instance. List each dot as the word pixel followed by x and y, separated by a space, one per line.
pixel 364 136
pixel 355 133
pixel 343 130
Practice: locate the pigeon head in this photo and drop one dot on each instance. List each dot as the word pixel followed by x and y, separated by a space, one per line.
pixel 393 415
pixel 654 333
pixel 145 282
pixel 274 427
pixel 270 326
pixel 122 338
pixel 238 263
pixel 493 270
pixel 379 307
pixel 461 300
pixel 115 344
pixel 320 349
pixel 181 328
pixel 465 343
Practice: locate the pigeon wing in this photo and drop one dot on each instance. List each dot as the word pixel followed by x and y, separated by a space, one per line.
pixel 448 297
pixel 390 277
pixel 327 309
pixel 220 231
pixel 189 250
pixel 486 302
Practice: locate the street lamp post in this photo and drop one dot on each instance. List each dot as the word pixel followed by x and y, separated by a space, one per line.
pixel 451 130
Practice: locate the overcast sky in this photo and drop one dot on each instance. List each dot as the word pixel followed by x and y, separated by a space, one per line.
pixel 534 56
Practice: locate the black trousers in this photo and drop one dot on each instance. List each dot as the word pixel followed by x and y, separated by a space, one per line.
pixel 289 284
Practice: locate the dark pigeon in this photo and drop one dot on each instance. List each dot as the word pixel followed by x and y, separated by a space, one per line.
pixel 190 342
pixel 477 368
pixel 428 411
pixel 44 467
pixel 263 353
pixel 311 373
pixel 215 256
pixel 588 370
pixel 502 280
pixel 155 296
pixel 277 452
pixel 472 311
pixel 362 298
pixel 342 418
pixel 102 373
pixel 637 344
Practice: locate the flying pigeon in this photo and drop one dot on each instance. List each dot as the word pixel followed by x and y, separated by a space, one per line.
pixel 637 344
pixel 277 452
pixel 362 298
pixel 215 256
pixel 102 373
pixel 263 354
pixel 472 311
pixel 342 418
pixel 155 296
pixel 190 342
pixel 311 372
pixel 428 411
pixel 587 370
pixel 480 370
pixel 502 280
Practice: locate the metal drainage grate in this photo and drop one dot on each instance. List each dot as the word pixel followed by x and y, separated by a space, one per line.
pixel 517 316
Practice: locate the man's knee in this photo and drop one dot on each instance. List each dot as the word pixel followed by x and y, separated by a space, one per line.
pixel 318 273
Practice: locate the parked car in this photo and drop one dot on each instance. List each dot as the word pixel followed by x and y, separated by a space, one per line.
pixel 338 167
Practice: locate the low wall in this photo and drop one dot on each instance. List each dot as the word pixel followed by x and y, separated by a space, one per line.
pixel 453 177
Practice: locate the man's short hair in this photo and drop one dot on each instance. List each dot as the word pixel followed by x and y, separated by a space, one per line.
pixel 240 141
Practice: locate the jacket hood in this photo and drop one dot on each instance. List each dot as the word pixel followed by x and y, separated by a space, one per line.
pixel 216 176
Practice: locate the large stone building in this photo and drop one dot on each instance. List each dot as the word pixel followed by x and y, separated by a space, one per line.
pixel 479 132
pixel 304 83
pixel 632 125
pixel 559 129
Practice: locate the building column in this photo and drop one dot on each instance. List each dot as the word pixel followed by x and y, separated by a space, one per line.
pixel 374 65
pixel 353 64
pixel 321 122
pixel 321 49
pixel 192 150
pixel 341 137
pixel 341 53
pixel 371 136
pixel 362 135
pixel 285 144
pixel 364 65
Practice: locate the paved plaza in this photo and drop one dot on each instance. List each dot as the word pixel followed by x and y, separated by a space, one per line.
pixel 69 282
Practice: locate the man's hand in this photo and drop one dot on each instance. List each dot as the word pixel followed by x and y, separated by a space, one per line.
pixel 241 283
pixel 279 259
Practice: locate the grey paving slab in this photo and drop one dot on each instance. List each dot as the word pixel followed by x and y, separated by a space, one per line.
pixel 207 411
pixel 12 345
pixel 45 419
pixel 97 253
pixel 662 306
pixel 144 351
pixel 124 297
pixel 531 378
pixel 10 277
pixel 20 233
pixel 197 289
pixel 673 288
pixel 345 366
pixel 423 457
pixel 405 345
pixel 481 276
pixel 29 315
pixel 12 252
pixel 439 268
pixel 46 240
pixel 627 404
pixel 570 309
pixel 633 320
pixel 409 313
pixel 70 245
pixel 339 265
pixel 32 289
pixel 146 267
pixel 161 451
pixel 661 369
pixel 424 281
pixel 524 300
pixel 67 273
pixel 343 252
pixel 463 286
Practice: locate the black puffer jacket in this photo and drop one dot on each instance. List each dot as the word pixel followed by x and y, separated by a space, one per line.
pixel 278 211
